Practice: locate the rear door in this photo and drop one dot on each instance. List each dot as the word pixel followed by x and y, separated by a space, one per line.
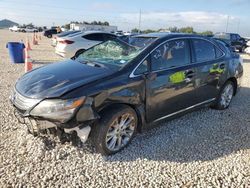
pixel 170 82
pixel 210 68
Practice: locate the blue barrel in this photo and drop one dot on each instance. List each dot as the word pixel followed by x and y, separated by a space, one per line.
pixel 16 51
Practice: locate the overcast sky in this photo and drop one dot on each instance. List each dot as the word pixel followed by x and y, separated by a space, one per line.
pixel 201 14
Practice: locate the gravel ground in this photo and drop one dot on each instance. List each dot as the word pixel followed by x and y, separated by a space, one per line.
pixel 206 148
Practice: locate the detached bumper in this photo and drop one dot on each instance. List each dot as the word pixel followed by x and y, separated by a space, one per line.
pixel 35 126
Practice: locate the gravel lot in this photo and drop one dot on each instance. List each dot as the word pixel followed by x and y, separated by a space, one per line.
pixel 206 148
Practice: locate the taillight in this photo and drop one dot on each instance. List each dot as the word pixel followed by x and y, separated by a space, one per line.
pixel 66 42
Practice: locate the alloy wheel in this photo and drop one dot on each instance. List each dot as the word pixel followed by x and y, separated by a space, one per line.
pixel 120 132
pixel 227 95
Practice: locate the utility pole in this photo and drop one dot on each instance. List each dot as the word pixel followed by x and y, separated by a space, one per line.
pixel 139 22
pixel 227 23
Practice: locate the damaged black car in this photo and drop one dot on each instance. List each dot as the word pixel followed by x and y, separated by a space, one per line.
pixel 116 89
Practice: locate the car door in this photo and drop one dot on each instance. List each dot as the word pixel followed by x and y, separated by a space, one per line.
pixel 170 81
pixel 210 68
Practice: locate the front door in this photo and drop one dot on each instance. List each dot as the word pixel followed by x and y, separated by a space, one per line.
pixel 170 82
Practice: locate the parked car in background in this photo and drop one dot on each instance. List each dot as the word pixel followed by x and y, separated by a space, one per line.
pixel 234 39
pixel 29 30
pixel 63 34
pixel 14 28
pixel 50 32
pixel 115 89
pixel 71 45
pixel 247 50
pixel 248 43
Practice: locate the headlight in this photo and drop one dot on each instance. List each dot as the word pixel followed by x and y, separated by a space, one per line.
pixel 56 109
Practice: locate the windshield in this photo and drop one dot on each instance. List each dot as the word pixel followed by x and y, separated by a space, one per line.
pixel 113 52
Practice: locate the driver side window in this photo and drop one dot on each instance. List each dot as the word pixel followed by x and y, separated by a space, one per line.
pixel 171 54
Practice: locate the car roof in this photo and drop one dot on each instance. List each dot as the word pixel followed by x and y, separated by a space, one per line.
pixel 83 33
pixel 165 36
pixel 90 32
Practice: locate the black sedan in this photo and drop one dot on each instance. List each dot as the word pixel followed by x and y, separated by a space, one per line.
pixel 116 89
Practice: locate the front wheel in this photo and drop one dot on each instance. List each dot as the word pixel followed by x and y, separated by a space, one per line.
pixel 225 97
pixel 115 131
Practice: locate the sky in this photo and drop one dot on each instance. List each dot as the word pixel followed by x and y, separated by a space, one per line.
pixel 202 15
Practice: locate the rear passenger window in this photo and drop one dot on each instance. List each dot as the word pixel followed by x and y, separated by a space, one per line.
pixel 108 37
pixel 171 54
pixel 95 36
pixel 204 50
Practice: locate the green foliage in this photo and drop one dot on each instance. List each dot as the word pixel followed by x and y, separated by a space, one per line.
pixel 187 30
pixel 207 33
pixel 105 23
pixel 135 30
pixel 174 29
pixel 27 25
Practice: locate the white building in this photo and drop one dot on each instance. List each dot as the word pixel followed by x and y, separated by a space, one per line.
pixel 88 27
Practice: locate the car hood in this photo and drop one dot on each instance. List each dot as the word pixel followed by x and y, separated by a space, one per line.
pixel 56 79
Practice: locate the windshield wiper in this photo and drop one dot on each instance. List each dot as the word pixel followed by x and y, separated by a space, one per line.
pixel 93 64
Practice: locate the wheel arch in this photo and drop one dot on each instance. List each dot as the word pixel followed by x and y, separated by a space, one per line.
pixel 234 80
pixel 139 110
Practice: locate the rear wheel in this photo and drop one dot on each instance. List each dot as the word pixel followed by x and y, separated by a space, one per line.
pixel 115 130
pixel 225 97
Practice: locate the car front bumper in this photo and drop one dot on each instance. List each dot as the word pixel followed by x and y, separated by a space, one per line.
pixel 36 126
pixel 22 107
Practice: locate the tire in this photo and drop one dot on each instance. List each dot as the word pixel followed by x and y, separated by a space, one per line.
pixel 110 136
pixel 49 36
pixel 224 99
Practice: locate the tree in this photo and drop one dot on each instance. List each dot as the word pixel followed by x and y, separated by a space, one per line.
pixel 207 33
pixel 135 30
pixel 67 26
pixel 173 29
pixel 148 31
pixel 186 30
pixel 106 23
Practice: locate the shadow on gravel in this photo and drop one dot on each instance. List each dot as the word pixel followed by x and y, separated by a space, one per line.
pixel 202 135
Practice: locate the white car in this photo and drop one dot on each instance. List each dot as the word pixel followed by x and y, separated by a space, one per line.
pixel 248 43
pixel 60 35
pixel 14 28
pixel 30 30
pixel 247 50
pixel 74 44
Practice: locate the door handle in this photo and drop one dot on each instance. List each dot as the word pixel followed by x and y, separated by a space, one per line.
pixel 222 66
pixel 190 74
